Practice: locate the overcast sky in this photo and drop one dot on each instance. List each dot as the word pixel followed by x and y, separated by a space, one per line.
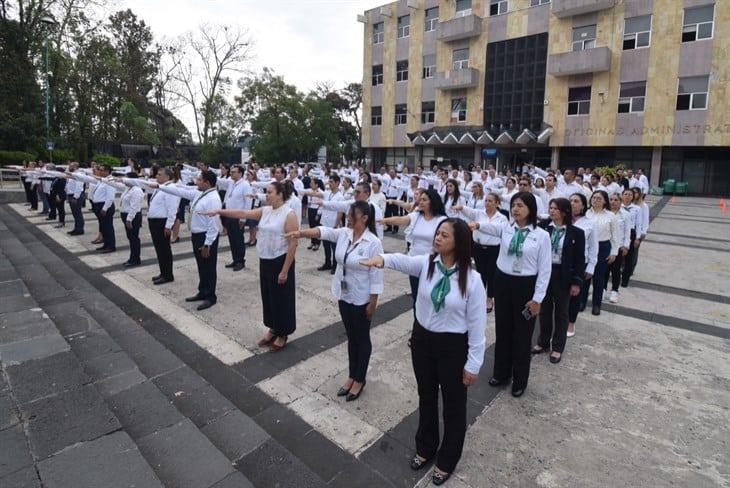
pixel 305 41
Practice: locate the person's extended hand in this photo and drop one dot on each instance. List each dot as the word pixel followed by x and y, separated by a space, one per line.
pixel 610 259
pixel 374 262
pixel 370 310
pixel 469 378
pixel 533 307
pixel 168 232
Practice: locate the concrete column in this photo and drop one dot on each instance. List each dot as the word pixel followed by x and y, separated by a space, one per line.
pixel 656 166
pixel 477 155
pixel 555 158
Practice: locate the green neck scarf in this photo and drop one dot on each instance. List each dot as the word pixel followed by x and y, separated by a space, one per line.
pixel 558 233
pixel 518 239
pixel 443 287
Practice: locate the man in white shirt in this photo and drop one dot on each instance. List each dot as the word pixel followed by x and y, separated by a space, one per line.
pixel 644 182
pixel 130 209
pixel 102 204
pixel 362 192
pixel 76 196
pixel 236 198
pixel 570 186
pixel 204 233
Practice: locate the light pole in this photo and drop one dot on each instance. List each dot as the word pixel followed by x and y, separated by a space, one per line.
pixel 48 21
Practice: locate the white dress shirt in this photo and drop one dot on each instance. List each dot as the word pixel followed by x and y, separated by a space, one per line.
pixel 131 202
pixel 450 203
pixel 270 240
pixel 295 204
pixel 236 195
pixel 460 314
pixel 329 217
pixel 344 207
pixel 642 225
pixel 163 206
pixel 200 201
pixel 633 211
pixel 421 233
pixel 608 228
pixel 536 257
pixel 624 218
pixel 378 199
pixel 591 250
pixel 479 236
pixel 102 193
pixel 360 282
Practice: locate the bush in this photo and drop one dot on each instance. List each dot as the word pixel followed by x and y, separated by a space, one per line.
pixel 16 157
pixel 102 158
pixel 60 155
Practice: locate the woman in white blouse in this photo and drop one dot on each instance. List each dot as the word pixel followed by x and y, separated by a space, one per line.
pixel 523 273
pixel 377 197
pixel 474 199
pixel 508 192
pixel 130 210
pixel 608 233
pixel 276 263
pixel 355 287
pixel 314 202
pixel 613 274
pixel 452 197
pixel 448 340
pixel 579 207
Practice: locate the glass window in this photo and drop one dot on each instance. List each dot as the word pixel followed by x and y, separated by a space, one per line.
pixel 376 116
pixel 535 3
pixel 401 70
pixel 632 97
pixel 458 109
pixel 428 112
pixel 429 66
pixel 584 37
pixel 579 100
pixel 692 93
pixel 432 18
pixel 698 23
pixel 378 33
pixel 404 26
pixel 463 8
pixel 377 75
pixel 461 58
pixel 401 114
pixel 637 32
pixel 498 7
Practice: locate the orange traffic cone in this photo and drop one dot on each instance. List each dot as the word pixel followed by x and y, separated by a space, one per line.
pixel 723 206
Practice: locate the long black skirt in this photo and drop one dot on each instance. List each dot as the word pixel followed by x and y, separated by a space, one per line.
pixel 279 301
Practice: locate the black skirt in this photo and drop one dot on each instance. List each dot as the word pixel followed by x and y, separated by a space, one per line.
pixel 278 301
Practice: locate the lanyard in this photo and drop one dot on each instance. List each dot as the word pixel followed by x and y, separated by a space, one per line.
pixel 200 197
pixel 348 251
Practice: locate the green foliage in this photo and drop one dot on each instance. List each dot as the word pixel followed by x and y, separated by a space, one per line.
pixel 102 158
pixel 15 157
pixel 60 155
pixel 609 170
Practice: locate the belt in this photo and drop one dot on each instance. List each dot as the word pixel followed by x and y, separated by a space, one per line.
pixel 486 246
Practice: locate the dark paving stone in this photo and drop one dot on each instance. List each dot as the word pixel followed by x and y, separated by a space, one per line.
pixel 12 289
pixel 70 318
pixel 23 478
pixel 183 457
pixel 359 474
pixel 91 344
pixel 181 379
pixel 234 480
pixel 26 330
pixel 282 423
pixel 272 465
pixel 202 405
pixel 48 376
pixel 115 384
pixel 319 454
pixel 14 453
pixel 108 365
pixel 8 273
pixel 17 319
pixel 71 417
pixel 18 303
pixel 391 460
pixel 35 348
pixel 151 357
pixel 143 409
pixel 112 461
pixel 9 414
pixel 235 434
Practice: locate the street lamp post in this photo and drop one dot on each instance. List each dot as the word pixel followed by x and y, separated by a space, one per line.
pixel 48 21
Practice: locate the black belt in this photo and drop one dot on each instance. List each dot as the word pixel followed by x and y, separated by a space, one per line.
pixel 486 246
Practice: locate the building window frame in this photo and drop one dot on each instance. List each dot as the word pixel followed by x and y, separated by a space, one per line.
pixel 401 70
pixel 376 75
pixel 579 106
pixel 378 33
pixel 404 29
pixel 498 7
pixel 689 99
pixel 458 110
pixel 376 115
pixel 430 23
pixel 586 41
pixel 428 112
pixel 632 104
pixel 401 114
pixel 429 72
pixel 537 3
pixel 697 31
pixel 640 39
pixel 461 10
pixel 463 59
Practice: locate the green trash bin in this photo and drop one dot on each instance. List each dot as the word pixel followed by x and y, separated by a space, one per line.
pixel 681 188
pixel 669 186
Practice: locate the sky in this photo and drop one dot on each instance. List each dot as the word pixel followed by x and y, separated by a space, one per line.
pixel 305 41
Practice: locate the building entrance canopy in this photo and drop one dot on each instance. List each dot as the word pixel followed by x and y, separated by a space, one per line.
pixel 477 135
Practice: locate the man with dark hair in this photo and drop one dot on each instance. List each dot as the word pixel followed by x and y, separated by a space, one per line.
pixel 204 232
pixel 236 198
pixel 361 193
pixel 102 204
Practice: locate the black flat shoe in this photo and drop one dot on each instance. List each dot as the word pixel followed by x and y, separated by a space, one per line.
pixel 518 392
pixel 158 277
pixel 556 360
pixel 205 304
pixel 162 281
pixel 132 264
pixel 239 267
pixel 496 382
pixel 417 463
pixel 582 307
pixel 596 310
pixel 230 265
pixel 439 479
pixel 354 396
pixel 106 251
pixel 343 391
pixel 324 267
pixel 175 241
pixel 194 298
pixel 535 350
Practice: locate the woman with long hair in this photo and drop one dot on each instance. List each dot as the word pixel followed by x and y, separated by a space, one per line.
pixel 613 274
pixel 608 233
pixel 314 202
pixel 377 197
pixel 252 224
pixel 177 180
pixel 475 198
pixel 508 192
pixel 452 197
pixel 448 340
pixel 567 243
pixel 579 207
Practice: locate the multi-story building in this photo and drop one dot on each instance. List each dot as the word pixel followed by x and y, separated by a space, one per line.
pixel 559 82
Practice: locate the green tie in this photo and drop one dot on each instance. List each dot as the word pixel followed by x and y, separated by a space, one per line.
pixel 443 287
pixel 558 232
pixel 518 239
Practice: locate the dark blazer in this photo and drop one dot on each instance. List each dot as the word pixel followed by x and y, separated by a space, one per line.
pixel 58 188
pixel 572 261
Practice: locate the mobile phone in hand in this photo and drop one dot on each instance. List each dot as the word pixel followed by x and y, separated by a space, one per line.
pixel 526 313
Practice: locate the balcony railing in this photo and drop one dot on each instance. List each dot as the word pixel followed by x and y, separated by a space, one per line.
pixel 569 8
pixel 594 60
pixel 456 79
pixel 459 28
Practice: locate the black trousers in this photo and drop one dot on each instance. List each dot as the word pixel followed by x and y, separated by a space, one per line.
pixel 78 214
pixel 163 250
pixel 613 273
pixel 61 209
pixel 207 267
pixel 26 188
pixel 52 206
pixel 391 210
pixel 133 236
pixel 514 333
pixel 106 222
pixel 279 301
pixel 629 261
pixel 438 362
pixel 359 347
pixel 95 207
pixel 599 276
pixel 329 253
pixel 313 221
pixel 235 239
pixel 33 197
pixel 414 281
pixel 485 257
pixel 554 313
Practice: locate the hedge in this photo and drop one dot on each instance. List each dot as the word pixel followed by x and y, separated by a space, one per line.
pixel 16 157
pixel 102 158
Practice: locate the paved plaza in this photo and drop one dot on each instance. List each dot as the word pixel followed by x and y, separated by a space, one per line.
pixel 109 381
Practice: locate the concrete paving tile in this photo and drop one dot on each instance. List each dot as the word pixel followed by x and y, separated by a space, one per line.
pixel 151 357
pixel 272 465
pixel 48 376
pixel 70 417
pixel 115 384
pixel 35 348
pixel 92 344
pixel 234 480
pixel 16 319
pixel 391 459
pixel 112 461
pixel 70 318
pixel 26 330
pixel 235 434
pixel 202 405
pixel 359 474
pixel 23 478
pixel 9 413
pixel 196 465
pixel 143 409
pixel 14 454
pixel 12 289
pixel 108 365
pixel 18 303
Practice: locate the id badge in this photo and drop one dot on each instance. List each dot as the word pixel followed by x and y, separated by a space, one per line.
pixel 343 286
pixel 517 266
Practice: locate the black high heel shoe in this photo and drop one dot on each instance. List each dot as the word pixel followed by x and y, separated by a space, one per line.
pixel 354 396
pixel 496 382
pixel 343 391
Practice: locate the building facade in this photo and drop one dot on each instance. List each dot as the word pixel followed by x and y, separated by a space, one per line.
pixel 559 82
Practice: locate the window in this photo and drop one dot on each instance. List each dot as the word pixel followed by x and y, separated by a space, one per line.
pixel 376 116
pixel 637 32
pixel 378 33
pixel 458 109
pixel 498 7
pixel 535 3
pixel 401 113
pixel 432 18
pixel 579 100
pixel 429 66
pixel 584 37
pixel 401 71
pixel 698 23
pixel 377 74
pixel 631 97
pixel 404 26
pixel 428 112
pixel 461 58
pixel 463 8
pixel 692 93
